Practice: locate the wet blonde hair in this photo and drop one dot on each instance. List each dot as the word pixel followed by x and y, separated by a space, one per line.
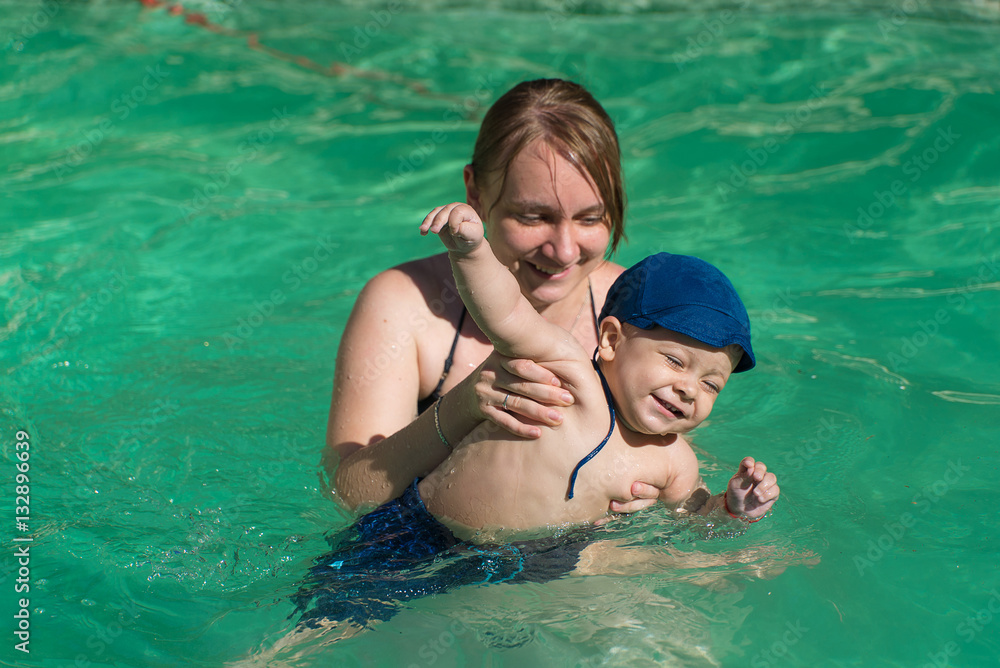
pixel 567 118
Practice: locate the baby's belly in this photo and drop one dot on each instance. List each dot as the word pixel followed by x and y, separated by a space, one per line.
pixel 501 491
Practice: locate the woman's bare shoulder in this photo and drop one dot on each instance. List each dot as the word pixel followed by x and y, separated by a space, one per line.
pixel 412 282
pixel 429 273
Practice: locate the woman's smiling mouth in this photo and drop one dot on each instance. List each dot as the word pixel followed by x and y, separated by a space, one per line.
pixel 549 272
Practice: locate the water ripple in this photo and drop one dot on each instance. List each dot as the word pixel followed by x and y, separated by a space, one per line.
pixel 905 293
pixel 968 397
pixel 863 364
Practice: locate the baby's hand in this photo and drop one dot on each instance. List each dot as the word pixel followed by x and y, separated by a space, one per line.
pixel 752 491
pixel 457 224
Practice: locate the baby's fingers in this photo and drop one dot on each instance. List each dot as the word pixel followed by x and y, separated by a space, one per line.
pixel 759 471
pixel 751 472
pixel 452 215
pixel 746 468
pixel 459 213
pixel 433 222
pixel 767 489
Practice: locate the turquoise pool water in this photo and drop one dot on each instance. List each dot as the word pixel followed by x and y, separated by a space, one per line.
pixel 185 222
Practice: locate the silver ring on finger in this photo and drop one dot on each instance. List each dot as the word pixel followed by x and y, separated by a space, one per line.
pixel 505 398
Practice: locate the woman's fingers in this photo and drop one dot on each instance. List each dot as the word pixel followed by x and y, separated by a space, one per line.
pixel 530 371
pixel 511 423
pixel 542 394
pixel 506 408
pixel 643 496
pixel 643 490
pixel 633 506
pixel 518 405
pixel 531 380
pixel 523 391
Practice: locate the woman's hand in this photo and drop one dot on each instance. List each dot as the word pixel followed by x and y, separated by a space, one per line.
pixel 518 395
pixel 643 496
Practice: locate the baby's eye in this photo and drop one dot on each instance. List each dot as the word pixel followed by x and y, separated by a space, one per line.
pixel 713 387
pixel 673 361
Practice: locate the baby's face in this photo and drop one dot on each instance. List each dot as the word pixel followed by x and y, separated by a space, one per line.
pixel 667 382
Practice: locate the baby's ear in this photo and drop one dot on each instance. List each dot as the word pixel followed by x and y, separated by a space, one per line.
pixel 610 336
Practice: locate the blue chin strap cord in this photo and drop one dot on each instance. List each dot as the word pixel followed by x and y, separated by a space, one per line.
pixel 611 430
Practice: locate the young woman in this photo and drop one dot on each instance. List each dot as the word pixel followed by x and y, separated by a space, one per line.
pixel 414 374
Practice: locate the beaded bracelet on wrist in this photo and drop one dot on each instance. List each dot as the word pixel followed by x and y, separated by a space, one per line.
pixel 437 424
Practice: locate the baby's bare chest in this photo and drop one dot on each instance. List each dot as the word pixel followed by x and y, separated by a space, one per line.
pixel 619 464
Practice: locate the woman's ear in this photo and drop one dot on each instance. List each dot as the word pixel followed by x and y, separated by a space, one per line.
pixel 609 336
pixel 473 196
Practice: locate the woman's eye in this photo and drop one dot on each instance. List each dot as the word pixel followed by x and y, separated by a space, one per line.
pixel 529 218
pixel 592 220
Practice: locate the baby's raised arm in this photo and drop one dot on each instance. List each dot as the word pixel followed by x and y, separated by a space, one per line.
pixel 492 294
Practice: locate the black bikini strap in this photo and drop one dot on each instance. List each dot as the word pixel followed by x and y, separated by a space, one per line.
pixel 428 401
pixel 454 344
pixel 451 355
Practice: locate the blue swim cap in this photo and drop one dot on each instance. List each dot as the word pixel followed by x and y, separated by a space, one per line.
pixel 683 294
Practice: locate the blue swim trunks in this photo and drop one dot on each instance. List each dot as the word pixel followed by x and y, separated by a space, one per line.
pixel 399 552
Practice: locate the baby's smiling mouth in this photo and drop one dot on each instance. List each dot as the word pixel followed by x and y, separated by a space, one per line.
pixel 670 408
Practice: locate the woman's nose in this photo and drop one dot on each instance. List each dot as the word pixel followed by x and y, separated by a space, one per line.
pixel 562 245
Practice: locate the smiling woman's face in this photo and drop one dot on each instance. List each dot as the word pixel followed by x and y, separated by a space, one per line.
pixel 549 225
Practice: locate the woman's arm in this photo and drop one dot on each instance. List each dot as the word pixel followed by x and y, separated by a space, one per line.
pixel 375 448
